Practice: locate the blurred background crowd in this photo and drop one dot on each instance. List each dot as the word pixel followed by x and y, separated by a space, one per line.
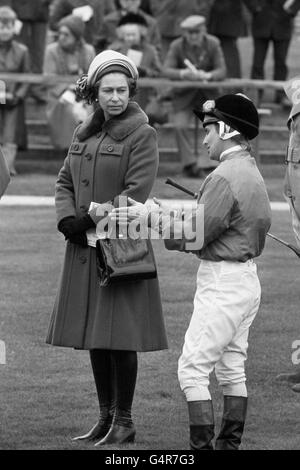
pixel 195 40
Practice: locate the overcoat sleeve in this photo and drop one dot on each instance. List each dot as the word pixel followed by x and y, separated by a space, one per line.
pixel 22 88
pixel 142 165
pixel 219 67
pixel 64 192
pixel 171 65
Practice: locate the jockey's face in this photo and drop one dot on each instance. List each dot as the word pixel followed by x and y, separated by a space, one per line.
pixel 212 141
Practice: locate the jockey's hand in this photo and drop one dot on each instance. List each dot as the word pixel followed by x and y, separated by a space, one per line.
pixel 135 210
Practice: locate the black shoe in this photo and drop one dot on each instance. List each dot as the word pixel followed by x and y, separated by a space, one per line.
pixel 118 434
pixel 233 422
pixel 193 171
pixel 97 432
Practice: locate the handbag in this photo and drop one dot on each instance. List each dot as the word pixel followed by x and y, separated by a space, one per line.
pixel 124 259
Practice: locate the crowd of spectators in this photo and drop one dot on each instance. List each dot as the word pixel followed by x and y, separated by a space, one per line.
pixel 182 40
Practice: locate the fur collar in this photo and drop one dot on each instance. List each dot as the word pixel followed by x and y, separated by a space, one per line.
pixel 118 127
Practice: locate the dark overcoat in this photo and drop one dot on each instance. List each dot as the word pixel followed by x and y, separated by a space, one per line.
pixel 270 20
pixel 31 10
pixel 106 159
pixel 227 19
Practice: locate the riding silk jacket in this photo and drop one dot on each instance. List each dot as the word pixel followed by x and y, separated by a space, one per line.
pixel 237 213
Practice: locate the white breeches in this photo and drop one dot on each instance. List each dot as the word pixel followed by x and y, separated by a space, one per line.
pixel 226 302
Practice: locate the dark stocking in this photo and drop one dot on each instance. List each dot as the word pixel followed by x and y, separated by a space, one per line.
pixel 103 370
pixel 126 372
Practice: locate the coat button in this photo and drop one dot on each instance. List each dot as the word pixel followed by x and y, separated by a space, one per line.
pixel 82 259
pixel 85 182
pixel 110 148
pixel 88 156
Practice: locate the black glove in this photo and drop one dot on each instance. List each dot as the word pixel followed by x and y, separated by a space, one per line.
pixel 74 225
pixel 79 239
pixel 12 101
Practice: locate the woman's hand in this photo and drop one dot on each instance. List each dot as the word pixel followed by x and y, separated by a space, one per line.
pixel 124 215
pixel 70 226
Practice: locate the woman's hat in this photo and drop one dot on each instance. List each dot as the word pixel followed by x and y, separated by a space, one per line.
pixel 133 18
pixel 74 24
pixel 7 13
pixel 108 62
pixel 238 111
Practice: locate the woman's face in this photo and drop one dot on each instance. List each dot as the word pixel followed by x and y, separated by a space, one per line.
pixel 130 5
pixel 113 94
pixel 7 29
pixel 66 39
pixel 131 34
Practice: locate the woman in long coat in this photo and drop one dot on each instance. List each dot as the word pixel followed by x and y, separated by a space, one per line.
pixel 113 153
pixel 70 55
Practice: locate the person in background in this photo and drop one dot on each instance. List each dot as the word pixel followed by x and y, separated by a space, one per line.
pixel 14 58
pixel 109 28
pixel 99 8
pixel 114 154
pixel 169 14
pixel 227 23
pixel 195 56
pixel 272 22
pixel 70 55
pixel 34 15
pixel 145 6
pixel 133 42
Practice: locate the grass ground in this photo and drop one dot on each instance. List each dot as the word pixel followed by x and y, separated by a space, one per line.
pixel 47 394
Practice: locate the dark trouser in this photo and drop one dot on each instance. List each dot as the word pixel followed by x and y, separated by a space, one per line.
pixel 280 51
pixel 232 56
pixel 33 35
pixel 115 378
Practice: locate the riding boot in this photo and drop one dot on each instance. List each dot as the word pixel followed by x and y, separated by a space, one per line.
pixel 122 429
pixel 201 418
pixel 233 421
pixel 100 429
pixel 103 370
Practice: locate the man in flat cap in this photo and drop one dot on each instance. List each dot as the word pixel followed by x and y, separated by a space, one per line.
pixel 195 56
pixel 237 217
